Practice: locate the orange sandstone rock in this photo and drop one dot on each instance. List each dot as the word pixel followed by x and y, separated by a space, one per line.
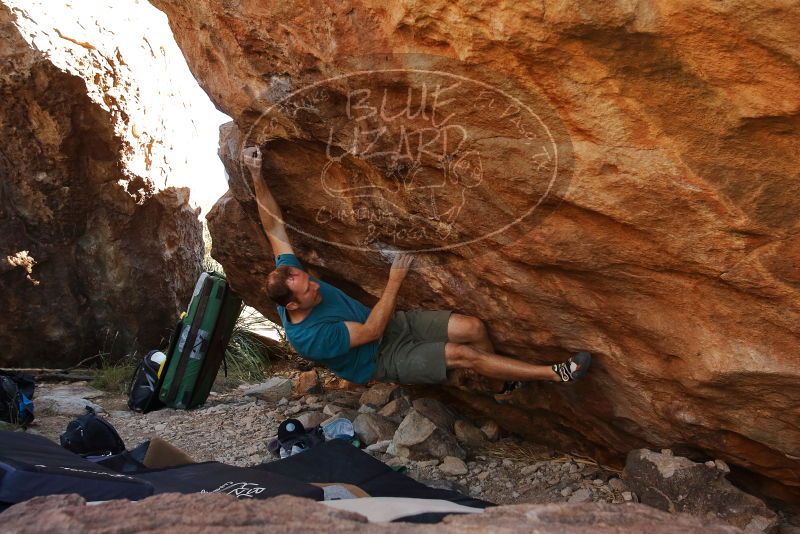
pixel 97 254
pixel 657 144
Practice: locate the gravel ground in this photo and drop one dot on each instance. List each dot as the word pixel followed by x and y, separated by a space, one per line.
pixel 235 429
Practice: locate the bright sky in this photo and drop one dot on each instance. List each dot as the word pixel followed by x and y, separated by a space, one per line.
pixel 166 107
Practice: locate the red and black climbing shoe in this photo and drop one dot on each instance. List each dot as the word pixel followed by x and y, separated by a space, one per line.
pixel 574 368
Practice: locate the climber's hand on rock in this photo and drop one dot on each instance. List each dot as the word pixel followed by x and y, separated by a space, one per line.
pixel 400 266
pixel 251 157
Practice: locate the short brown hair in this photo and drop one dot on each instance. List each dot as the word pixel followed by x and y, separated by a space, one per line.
pixel 277 288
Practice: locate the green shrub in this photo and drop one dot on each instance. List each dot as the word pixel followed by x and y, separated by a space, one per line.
pixel 247 355
pixel 114 376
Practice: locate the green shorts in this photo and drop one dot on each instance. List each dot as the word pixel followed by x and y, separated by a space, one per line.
pixel 412 348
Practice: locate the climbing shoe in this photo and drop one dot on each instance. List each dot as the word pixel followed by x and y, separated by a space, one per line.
pixel 574 368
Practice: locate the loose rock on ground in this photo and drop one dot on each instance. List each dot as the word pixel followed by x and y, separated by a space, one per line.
pixel 234 427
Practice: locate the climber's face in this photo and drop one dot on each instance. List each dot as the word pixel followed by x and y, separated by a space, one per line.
pixel 305 290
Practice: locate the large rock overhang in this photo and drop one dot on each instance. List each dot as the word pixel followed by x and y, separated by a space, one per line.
pixel 671 251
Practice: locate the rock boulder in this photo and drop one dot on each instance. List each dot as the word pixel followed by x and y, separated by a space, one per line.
pixel 308 382
pixel 292 515
pixel 620 178
pixel 396 410
pixel 380 394
pixel 97 254
pixel 677 484
pixel 272 390
pixel 371 428
pixel 469 435
pixel 418 438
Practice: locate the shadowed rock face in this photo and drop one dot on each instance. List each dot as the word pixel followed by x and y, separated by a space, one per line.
pixel 92 256
pixel 667 243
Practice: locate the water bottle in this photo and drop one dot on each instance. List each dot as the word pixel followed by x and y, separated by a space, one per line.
pixel 160 358
pixel 339 428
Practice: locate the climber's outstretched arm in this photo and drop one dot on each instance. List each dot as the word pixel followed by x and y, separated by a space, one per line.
pixel 268 209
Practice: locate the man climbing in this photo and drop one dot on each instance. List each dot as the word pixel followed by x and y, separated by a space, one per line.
pixel 359 344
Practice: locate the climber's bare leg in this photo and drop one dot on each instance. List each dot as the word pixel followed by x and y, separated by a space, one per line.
pixel 472 331
pixel 490 365
pixel 469 330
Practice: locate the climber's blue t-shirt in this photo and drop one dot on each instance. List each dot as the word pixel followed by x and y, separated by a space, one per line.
pixel 323 337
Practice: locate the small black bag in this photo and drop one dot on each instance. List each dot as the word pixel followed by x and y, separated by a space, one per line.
pixel 16 394
pixel 145 385
pixel 294 438
pixel 91 435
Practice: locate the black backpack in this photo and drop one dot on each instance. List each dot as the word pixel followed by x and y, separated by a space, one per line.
pixel 145 385
pixel 91 435
pixel 16 398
